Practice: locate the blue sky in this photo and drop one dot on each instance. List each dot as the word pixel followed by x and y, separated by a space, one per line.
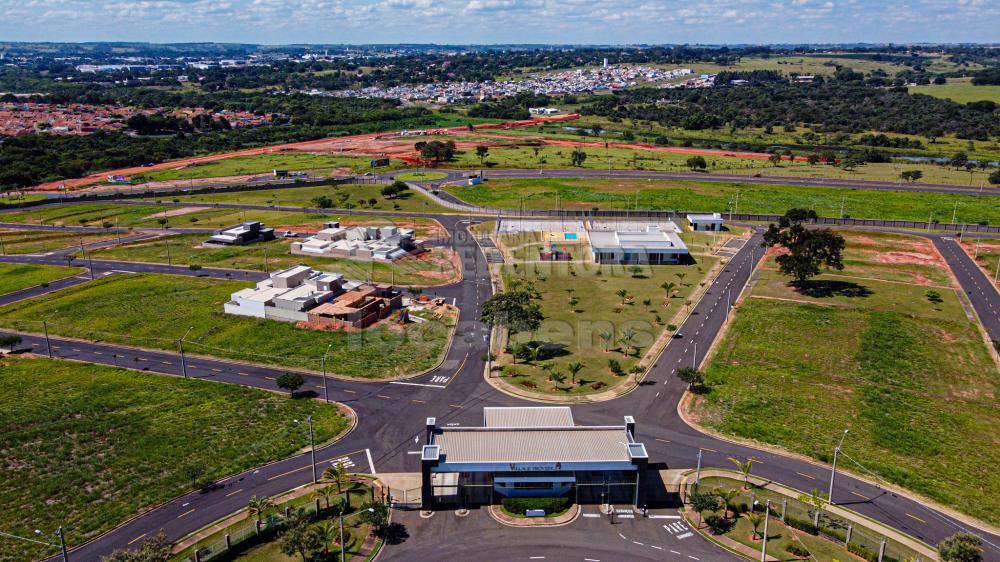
pixel 502 21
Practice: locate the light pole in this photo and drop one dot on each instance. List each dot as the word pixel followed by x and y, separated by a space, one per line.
pixel 59 534
pixel 833 471
pixel 694 358
pixel 45 328
pixel 763 546
pixel 326 390
pixel 343 555
pixel 180 345
pixel 312 446
pixel 697 473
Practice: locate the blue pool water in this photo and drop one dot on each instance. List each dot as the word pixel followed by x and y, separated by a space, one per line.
pixel 570 236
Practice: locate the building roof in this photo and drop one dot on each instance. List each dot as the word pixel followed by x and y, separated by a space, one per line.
pixel 651 239
pixel 517 445
pixel 292 271
pixel 705 217
pixel 537 417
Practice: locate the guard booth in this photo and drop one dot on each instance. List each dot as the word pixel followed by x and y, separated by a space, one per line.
pixel 532 452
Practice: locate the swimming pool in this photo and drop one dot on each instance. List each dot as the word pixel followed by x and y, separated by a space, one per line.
pixel 570 236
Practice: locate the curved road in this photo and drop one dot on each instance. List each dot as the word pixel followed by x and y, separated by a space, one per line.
pixel 390 415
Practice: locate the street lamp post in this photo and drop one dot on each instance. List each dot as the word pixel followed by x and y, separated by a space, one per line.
pixel 763 546
pixel 180 345
pixel 343 554
pixel 326 390
pixel 833 471
pixel 697 473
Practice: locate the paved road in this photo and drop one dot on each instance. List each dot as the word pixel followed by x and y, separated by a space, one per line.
pixel 391 414
pixel 982 293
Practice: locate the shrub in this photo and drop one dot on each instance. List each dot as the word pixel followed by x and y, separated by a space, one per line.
pixel 802 525
pixel 518 506
pixel 615 366
pixel 797 550
pixel 528 384
pixel 835 533
pixel 863 552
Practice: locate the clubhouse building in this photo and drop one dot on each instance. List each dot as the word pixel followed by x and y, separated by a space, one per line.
pixel 532 451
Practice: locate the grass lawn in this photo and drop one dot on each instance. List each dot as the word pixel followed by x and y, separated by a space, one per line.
pixel 14 277
pixel 154 311
pixel 721 197
pixel 102 444
pixel 421 176
pixel 431 268
pixel 39 241
pixel 913 380
pixel 959 89
pixel 322 164
pixel 8 199
pixel 345 196
pixel 579 302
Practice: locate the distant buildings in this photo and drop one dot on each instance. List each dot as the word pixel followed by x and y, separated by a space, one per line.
pixel 709 222
pixel 317 299
pixel 382 243
pixel 543 110
pixel 240 235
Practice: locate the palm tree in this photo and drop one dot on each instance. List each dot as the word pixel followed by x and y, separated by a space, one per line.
pixel 743 467
pixel 548 367
pixel 327 533
pixel 727 496
pixel 574 368
pixel 535 352
pixel 606 337
pixel 755 519
pixel 516 349
pixel 622 293
pixel 258 505
pixel 326 493
pixel 337 473
pixel 681 276
pixel 628 335
pixel 818 500
pixel 669 289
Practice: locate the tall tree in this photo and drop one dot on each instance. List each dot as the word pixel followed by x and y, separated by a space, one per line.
pixel 515 310
pixel 961 547
pixel 807 249
pixel 482 151
pixel 258 505
pixel 743 467
pixel 573 369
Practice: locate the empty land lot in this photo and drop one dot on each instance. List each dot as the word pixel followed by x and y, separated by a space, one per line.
pixel 721 197
pixel 14 277
pixel 911 378
pixel 39 241
pixel 102 444
pixel 154 311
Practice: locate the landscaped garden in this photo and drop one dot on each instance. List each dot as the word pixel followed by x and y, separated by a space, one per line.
pixel 14 276
pixel 155 311
pixel 88 446
pixel 599 321
pixel 884 348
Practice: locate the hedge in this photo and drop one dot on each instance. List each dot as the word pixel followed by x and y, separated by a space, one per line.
pixel 857 549
pixel 801 525
pixel 797 550
pixel 551 505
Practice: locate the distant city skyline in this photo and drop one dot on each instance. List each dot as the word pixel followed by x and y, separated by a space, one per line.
pixel 502 21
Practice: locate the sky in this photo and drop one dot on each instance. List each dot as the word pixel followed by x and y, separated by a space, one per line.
pixel 502 21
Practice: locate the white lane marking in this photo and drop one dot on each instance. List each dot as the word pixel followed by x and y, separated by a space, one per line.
pixel 416 384
pixel 585 514
pixel 675 552
pixel 627 516
pixel 638 543
pixel 371 464
pixel 664 516
pixel 622 536
pixel 685 535
pixel 656 547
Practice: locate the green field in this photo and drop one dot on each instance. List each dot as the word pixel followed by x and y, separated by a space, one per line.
pixel 154 311
pixel 39 241
pixel 721 197
pixel 912 379
pixel 579 302
pixel 100 445
pixel 421 176
pixel 431 268
pixel 344 196
pixel 14 277
pixel 8 199
pixel 959 89
pixel 320 164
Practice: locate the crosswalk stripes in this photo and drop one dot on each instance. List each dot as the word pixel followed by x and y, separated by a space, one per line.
pixel 439 379
pixel 677 527
pixel 348 463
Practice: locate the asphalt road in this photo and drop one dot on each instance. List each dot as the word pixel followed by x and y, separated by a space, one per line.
pixel 391 414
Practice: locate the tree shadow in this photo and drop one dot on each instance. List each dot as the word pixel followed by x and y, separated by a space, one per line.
pixel 395 533
pixel 827 288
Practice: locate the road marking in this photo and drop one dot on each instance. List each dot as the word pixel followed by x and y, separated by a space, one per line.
pixel 217 370
pixel 662 440
pixel 692 557
pixel 350 391
pixel 860 496
pixel 188 512
pixel 638 543
pixel 166 362
pixel 384 396
pixel 622 536
pixel 591 514
pixel 656 547
pixel 709 450
pixel 417 384
pixel 685 535
pixel 664 516
pixel 275 477
pixel 270 378
pixel 74 349
pixel 98 353
pixel 419 401
pixel 536 558
pixel 806 475
pixel 917 518
pixel 675 552
pixel 454 405
pixel 137 538
pixel 371 464
pixel 244 374
pixel 592 560
pixel 234 493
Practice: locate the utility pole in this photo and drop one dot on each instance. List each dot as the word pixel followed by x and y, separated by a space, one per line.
pixel 312 448
pixel 763 546
pixel 697 474
pixel 180 345
pixel 954 213
pixel 326 391
pixel 694 358
pixel 833 471
pixel 265 260
pixel 48 345
pixel 167 246
pixel 343 556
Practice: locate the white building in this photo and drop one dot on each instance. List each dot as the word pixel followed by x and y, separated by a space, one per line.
pixel 705 222
pixel 289 294
pixel 383 243
pixel 657 244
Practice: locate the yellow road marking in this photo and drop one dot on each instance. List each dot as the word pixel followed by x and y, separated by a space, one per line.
pixel 917 518
pixel 458 370
pixel 709 450
pixel 234 493
pixel 860 496
pixel 185 513
pixel 289 472
pixel 386 397
pixel 806 475
pixel 137 538
pixel 419 401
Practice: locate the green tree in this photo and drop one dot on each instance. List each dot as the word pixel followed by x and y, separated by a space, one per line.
pixel 911 175
pixel 622 294
pixel 774 159
pixel 321 202
pixel 578 157
pixel 482 151
pixel 628 335
pixel 515 310
pixel 375 514
pixel 816 499
pixel 959 160
pixel 691 376
pixel 995 178
pixel 697 163
pixel 808 249
pixel 194 472
pixel 338 474
pixel 813 159
pixel 668 288
pixel 606 337
pixel 743 467
pixel 326 533
pixel 573 369
pixel 961 547
pixel 701 502
pixel 153 549
pixel 291 382
pixel 297 539
pixel 258 505
pixel 754 519
pixel 326 493
pixel 10 342
pixel 727 496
